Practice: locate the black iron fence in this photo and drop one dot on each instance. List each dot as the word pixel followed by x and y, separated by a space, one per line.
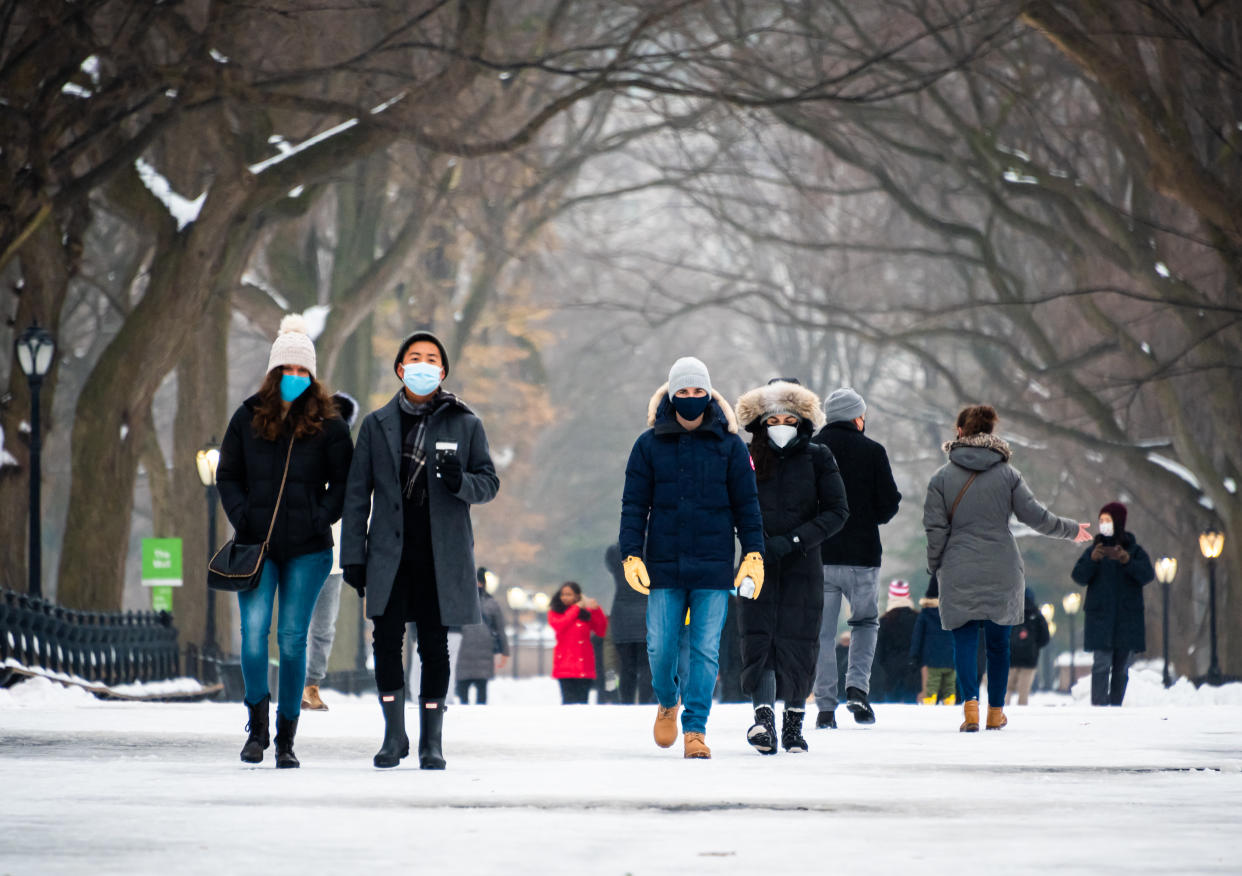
pixel 106 648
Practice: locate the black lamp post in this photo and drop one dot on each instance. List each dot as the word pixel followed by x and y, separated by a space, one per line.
pixel 1049 613
pixel 207 460
pixel 35 349
pixel 517 599
pixel 1211 543
pixel 1071 603
pixel 1166 571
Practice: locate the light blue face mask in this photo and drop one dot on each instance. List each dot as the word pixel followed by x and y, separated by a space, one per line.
pixel 421 378
pixel 292 386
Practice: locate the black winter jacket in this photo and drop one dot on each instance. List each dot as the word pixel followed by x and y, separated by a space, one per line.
pixel 870 489
pixel 628 621
pixel 249 473
pixel 895 678
pixel 931 645
pixel 1028 638
pixel 1114 603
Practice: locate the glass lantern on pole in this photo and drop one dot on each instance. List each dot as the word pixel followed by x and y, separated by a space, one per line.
pixel 35 351
pixel 1166 571
pixel 1071 603
pixel 1211 543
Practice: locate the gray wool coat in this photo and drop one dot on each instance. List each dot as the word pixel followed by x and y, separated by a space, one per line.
pixel 480 643
pixel 371 527
pixel 976 559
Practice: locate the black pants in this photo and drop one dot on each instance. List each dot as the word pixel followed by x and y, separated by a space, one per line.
pixel 389 637
pixel 463 690
pixel 576 691
pixel 1110 670
pixel 634 678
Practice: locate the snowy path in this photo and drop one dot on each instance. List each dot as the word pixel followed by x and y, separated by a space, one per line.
pixel 94 787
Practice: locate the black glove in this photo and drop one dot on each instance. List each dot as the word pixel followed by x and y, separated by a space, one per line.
pixel 584 615
pixel 1097 552
pixel 777 548
pixel 450 472
pixel 356 577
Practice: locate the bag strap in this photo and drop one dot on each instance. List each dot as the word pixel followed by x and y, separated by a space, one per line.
pixel 966 486
pixel 271 526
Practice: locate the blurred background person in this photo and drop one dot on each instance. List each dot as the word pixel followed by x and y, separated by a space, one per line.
pixel 931 649
pixel 574 617
pixel 628 628
pixel 1026 640
pixel 895 678
pixel 484 647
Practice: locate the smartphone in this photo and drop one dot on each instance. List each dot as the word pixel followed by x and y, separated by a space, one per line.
pixel 444 449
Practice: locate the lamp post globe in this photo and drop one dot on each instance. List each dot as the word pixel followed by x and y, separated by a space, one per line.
pixel 1166 571
pixel 1211 543
pixel 206 461
pixel 36 350
pixel 1071 603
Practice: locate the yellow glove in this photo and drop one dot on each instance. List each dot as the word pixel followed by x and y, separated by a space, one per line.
pixel 752 567
pixel 636 575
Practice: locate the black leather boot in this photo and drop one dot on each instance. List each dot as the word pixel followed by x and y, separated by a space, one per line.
pixel 259 738
pixel 396 742
pixel 430 728
pixel 286 729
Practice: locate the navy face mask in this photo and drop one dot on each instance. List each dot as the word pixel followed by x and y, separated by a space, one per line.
pixel 690 407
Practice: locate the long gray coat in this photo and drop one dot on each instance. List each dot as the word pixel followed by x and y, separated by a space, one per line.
pixel 978 565
pixel 371 528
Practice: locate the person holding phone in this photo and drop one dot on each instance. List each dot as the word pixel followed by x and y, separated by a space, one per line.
pixel 574 617
pixel 407 544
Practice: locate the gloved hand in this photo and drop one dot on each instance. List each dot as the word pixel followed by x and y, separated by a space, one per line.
pixel 777 548
pixel 1122 556
pixel 636 574
pixel 584 615
pixel 450 472
pixel 752 567
pixel 355 576
pixel 1097 552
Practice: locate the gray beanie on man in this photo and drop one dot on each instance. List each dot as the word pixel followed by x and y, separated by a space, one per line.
pixel 844 405
pixel 688 372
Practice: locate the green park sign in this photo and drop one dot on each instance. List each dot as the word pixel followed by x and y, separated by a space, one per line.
pixel 161 570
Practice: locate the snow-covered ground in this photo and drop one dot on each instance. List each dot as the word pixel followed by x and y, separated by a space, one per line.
pixel 88 786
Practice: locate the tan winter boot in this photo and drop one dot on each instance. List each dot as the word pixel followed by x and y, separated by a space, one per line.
pixel 311 700
pixel 696 747
pixel 996 717
pixel 665 730
pixel 971 711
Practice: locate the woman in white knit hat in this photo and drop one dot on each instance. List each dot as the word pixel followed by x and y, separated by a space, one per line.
pixel 293 417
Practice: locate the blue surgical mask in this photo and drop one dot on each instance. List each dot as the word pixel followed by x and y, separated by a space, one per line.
pixel 292 386
pixel 780 436
pixel 691 407
pixel 421 378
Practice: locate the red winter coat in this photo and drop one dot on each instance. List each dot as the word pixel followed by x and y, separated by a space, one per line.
pixel 574 657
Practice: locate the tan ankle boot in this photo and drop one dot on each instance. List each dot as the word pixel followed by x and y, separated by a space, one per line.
pixel 996 717
pixel 311 700
pixel 970 709
pixel 665 730
pixel 696 747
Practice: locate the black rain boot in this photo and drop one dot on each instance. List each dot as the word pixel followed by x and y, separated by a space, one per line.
pixel 285 731
pixel 259 738
pixel 430 730
pixel 762 734
pixel 396 743
pixel 791 731
pixel 859 706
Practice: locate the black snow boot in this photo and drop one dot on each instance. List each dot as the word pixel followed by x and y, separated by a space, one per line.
pixel 259 738
pixel 762 734
pixel 285 731
pixel 826 720
pixel 430 730
pixel 396 743
pixel 791 731
pixel 856 702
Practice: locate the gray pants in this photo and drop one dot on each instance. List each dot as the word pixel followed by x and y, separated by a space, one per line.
pixel 858 585
pixel 322 630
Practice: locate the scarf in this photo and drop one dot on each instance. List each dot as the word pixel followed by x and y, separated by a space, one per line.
pixel 413 456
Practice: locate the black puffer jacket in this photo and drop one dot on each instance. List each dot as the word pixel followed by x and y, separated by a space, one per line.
pixel 1114 603
pixel 872 494
pixel 249 475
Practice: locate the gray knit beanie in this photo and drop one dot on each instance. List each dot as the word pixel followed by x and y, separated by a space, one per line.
pixel 844 405
pixel 688 372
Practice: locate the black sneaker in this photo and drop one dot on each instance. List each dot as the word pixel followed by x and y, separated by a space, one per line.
pixel 856 702
pixel 791 731
pixel 827 720
pixel 762 734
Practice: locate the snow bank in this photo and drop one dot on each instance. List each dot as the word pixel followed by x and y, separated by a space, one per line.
pixel 1146 688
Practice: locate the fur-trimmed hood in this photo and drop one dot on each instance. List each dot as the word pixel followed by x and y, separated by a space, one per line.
pixel 661 396
pixel 782 396
pixel 983 441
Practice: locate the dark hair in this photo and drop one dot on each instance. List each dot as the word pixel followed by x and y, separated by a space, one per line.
pixel 412 339
pixel 974 419
pixel 306 414
pixel 761 452
pixel 559 607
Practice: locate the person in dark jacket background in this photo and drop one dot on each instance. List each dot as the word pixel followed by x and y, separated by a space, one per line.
pixel 1114 570
pixel 895 678
pixel 931 649
pixel 689 487
pixel 407 543
pixel 852 557
pixel 628 627
pixel 803 502
pixel 291 416
pixel 483 646
pixel 1026 640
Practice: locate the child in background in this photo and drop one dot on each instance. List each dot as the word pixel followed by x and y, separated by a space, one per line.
pixel 932 648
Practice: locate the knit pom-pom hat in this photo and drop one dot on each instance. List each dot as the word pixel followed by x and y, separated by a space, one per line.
pixel 293 345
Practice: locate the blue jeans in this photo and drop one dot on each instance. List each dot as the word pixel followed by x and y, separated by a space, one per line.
pixel 666 619
pixel 966 655
pixel 298 580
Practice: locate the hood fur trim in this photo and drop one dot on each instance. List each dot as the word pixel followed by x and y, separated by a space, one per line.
pixel 780 396
pixel 986 440
pixel 653 407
